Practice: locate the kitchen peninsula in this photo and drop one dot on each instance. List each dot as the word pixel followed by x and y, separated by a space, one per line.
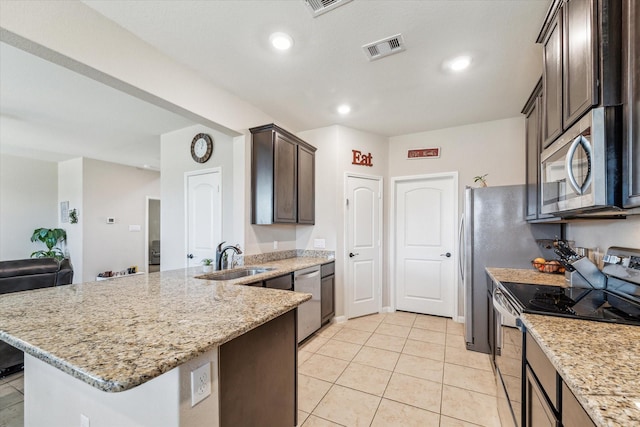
pixel 122 352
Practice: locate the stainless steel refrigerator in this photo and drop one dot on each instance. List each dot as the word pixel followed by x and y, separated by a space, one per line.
pixel 493 233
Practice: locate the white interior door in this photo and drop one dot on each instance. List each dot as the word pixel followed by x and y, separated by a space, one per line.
pixel 424 234
pixel 203 215
pixel 363 244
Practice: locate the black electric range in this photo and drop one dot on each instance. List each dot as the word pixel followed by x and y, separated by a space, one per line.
pixel 590 304
pixel 619 302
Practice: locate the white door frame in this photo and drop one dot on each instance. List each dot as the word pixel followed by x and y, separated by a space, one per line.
pixel 186 205
pixel 146 231
pixel 345 249
pixel 392 234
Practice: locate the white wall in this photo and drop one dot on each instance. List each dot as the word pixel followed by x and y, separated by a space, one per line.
pixel 605 233
pixel 70 188
pixel 176 160
pixel 28 200
pixel 333 161
pixel 495 148
pixel 113 190
pixel 95 46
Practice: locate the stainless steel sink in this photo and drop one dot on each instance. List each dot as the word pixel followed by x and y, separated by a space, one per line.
pixel 236 273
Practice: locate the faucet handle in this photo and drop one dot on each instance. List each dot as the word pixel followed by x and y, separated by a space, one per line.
pixel 220 245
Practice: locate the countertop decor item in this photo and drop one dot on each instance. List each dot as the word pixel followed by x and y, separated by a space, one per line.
pixel 50 237
pixel 482 179
pixel 207 265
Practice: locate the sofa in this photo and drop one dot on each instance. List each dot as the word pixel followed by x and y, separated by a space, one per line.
pixel 24 275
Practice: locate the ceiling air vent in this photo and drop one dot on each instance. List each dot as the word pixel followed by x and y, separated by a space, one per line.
pixel 318 7
pixel 384 47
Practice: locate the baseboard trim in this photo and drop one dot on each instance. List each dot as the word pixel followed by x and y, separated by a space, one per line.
pixel 388 309
pixel 458 319
pixel 339 319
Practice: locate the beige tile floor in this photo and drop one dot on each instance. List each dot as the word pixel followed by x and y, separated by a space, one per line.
pixel 11 401
pixel 383 370
pixel 394 369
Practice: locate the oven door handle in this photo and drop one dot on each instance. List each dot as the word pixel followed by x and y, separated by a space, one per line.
pixel 509 318
pixel 579 141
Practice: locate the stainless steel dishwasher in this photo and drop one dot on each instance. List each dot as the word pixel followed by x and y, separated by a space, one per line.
pixel 309 317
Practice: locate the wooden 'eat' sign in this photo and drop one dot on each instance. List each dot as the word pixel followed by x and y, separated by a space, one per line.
pixel 362 159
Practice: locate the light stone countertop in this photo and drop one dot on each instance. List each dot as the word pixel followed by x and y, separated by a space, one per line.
pixel 598 361
pixel 117 334
pixel 530 276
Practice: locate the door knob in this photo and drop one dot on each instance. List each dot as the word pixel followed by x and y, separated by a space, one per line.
pixel 190 256
pixel 351 254
pixel 448 254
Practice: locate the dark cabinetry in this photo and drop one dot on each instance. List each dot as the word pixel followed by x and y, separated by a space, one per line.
pixel 581 61
pixel 533 147
pixel 258 373
pixel 282 282
pixel 631 120
pixel 327 292
pixel 548 400
pixel 282 177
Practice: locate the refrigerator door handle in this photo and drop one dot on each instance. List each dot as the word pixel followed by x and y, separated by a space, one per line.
pixel 461 247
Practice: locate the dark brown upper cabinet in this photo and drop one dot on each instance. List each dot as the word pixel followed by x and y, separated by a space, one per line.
pixel 282 177
pixel 532 116
pixel 552 81
pixel 631 104
pixel 533 147
pixel 579 67
pixel 581 42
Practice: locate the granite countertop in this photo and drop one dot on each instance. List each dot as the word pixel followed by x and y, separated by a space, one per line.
pixel 117 334
pixel 598 361
pixel 280 268
pixel 531 276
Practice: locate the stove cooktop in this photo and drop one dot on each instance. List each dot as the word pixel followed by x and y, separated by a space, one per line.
pixel 589 304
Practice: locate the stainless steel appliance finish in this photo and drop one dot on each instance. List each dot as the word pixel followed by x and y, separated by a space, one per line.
pixel 580 172
pixel 493 233
pixel 309 313
pixel 507 358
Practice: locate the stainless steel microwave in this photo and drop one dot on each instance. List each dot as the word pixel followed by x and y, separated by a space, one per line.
pixel 581 171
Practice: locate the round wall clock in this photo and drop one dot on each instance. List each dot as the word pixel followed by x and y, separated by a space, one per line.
pixel 201 147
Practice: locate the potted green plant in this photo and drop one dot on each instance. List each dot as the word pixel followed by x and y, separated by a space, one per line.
pixel 207 265
pixel 482 179
pixel 50 237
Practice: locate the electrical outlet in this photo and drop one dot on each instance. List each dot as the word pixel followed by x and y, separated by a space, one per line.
pixel 319 243
pixel 275 244
pixel 200 383
pixel 84 421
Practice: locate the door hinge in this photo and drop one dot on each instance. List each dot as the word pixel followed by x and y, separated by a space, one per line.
pixel 347 202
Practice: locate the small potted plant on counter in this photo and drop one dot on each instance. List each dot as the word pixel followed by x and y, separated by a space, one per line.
pixel 207 265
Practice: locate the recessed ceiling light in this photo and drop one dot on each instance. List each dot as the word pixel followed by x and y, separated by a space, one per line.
pixel 281 41
pixel 459 63
pixel 344 109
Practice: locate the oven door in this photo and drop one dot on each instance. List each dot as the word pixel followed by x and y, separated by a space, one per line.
pixel 508 360
pixel 567 174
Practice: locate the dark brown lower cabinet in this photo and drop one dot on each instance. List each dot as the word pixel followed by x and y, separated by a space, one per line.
pixel 258 376
pixel 573 415
pixel 327 292
pixel 548 400
pixel 539 411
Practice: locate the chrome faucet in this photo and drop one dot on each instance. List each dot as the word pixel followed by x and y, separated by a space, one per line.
pixel 220 253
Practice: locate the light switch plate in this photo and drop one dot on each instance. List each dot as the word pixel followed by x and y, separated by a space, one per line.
pixel 200 383
pixel 319 243
pixel 135 227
